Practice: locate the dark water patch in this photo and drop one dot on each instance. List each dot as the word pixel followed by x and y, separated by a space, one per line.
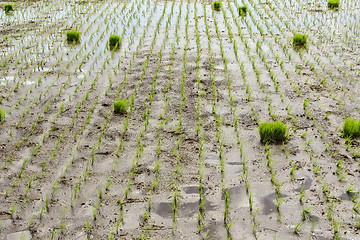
pixel 313 218
pixel 234 193
pixel 212 228
pixel 306 185
pixel 212 160
pixel 269 203
pixel 348 196
pixel 345 197
pixel 193 190
pixel 234 163
pixel 164 209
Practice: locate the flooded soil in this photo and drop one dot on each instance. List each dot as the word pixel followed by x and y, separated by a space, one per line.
pixel 184 159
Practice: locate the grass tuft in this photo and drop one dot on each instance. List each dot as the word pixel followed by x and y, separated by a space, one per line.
pixel 242 11
pixel 217 5
pixel 114 41
pixel 333 4
pixel 299 40
pixel 120 106
pixel 8 7
pixel 272 131
pixel 351 128
pixel 73 36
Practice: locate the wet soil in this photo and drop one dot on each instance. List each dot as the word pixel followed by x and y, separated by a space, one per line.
pixel 185 161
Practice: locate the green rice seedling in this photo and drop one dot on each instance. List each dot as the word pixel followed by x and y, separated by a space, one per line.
pixel 242 11
pixel 120 106
pixel 303 215
pixel 2 115
pixel 307 210
pixel 351 128
pixel 292 171
pixel 94 213
pixel 108 183
pixel 303 135
pixel 279 202
pixel 348 142
pixel 217 5
pixel 53 233
pixel 302 193
pixel 296 229
pixel 42 211
pixel 358 224
pixel 47 202
pixel 350 189
pixel 357 207
pixel 87 226
pixel 299 40
pixel 13 211
pixel 336 227
pixel 327 115
pixel 272 131
pixel 8 8
pixel 114 41
pixel 72 36
pixel 333 4
pixel 308 145
pixel 100 194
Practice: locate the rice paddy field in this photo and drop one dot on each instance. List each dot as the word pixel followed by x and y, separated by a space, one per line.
pixel 179 156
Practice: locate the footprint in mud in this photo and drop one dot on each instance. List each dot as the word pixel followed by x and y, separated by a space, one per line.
pixel 308 182
pixel 234 193
pixel 348 196
pixel 19 235
pixel 269 203
pixel 213 229
pixel 193 190
pixel 164 209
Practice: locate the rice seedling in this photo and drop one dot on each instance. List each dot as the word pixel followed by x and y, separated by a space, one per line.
pixel 351 128
pixel 114 41
pixel 120 106
pixel 302 193
pixel 333 4
pixel 336 228
pixel 12 211
pixel 2 115
pixel 296 229
pixel 72 36
pixel 217 5
pixel 242 11
pixel 356 207
pixel 292 171
pixel 358 224
pixel 87 226
pixel 273 131
pixel 299 40
pixel 8 8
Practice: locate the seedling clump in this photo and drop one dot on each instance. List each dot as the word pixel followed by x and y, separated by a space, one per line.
pixel 333 4
pixel 217 5
pixel 114 41
pixel 73 36
pixel 351 128
pixel 8 8
pixel 242 11
pixel 299 40
pixel 120 106
pixel 272 131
